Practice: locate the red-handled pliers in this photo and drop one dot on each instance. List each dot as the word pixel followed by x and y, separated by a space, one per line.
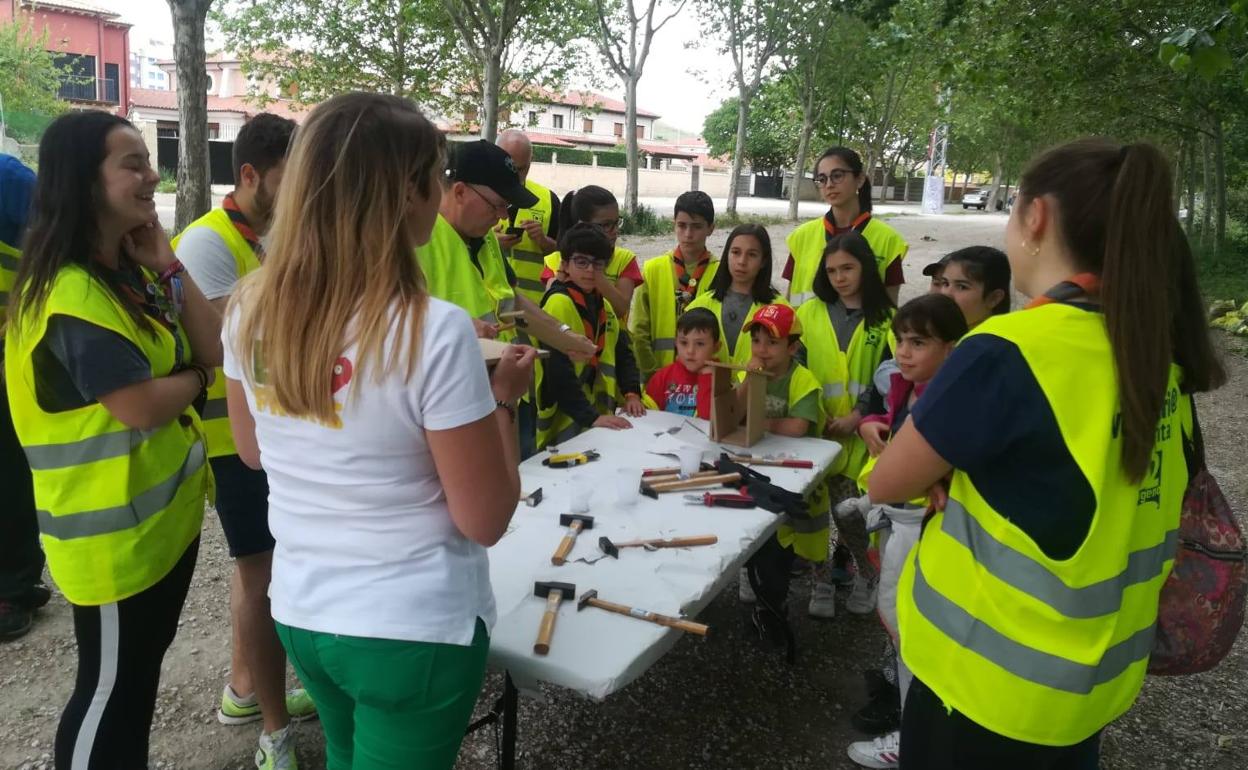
pixel 711 500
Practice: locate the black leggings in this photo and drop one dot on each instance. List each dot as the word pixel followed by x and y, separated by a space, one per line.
pixel 106 723
pixel 935 739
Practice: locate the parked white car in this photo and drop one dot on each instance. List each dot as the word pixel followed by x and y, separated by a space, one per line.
pixel 976 198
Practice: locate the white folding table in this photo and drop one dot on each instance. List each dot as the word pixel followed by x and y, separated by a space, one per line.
pixel 595 652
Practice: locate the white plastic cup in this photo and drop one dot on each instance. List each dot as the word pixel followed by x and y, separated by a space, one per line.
pixel 627 485
pixel 579 492
pixel 690 460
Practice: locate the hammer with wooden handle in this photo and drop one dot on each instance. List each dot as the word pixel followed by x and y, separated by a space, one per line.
pixel 554 594
pixel 590 599
pixel 575 522
pixel 613 549
pixel 653 490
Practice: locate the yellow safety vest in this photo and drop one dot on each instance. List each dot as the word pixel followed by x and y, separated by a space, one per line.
pixel 652 321
pixel 806 244
pixel 844 376
pixel 526 256
pixel 1032 648
pixel 9 257
pixel 450 275
pixel 741 352
pixel 808 535
pixel 553 426
pixel 117 507
pixel 216 417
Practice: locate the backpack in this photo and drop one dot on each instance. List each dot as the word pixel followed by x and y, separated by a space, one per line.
pixel 1202 602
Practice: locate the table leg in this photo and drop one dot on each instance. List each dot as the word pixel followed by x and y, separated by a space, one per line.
pixel 509 705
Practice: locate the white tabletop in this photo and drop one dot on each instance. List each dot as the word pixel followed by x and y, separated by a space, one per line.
pixel 597 652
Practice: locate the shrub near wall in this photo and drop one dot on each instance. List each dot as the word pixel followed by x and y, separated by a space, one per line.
pixel 573 156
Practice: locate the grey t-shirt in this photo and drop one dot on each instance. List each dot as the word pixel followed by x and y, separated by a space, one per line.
pixel 733 317
pixel 844 322
pixel 77 361
pixel 209 262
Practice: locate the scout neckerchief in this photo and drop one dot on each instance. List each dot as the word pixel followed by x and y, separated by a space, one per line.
pixel 1082 284
pixel 687 284
pixel 239 220
pixel 830 229
pixel 155 299
pixel 595 331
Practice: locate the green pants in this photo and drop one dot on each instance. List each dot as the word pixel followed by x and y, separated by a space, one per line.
pixel 387 704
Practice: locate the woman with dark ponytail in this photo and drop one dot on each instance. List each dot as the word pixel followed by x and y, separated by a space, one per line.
pixel 597 205
pixel 844 184
pixel 1028 608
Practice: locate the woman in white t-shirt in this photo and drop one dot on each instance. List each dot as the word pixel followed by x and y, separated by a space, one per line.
pixel 388 448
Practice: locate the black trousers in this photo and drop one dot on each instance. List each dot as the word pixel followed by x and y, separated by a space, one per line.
pixel 935 739
pixel 21 557
pixel 107 721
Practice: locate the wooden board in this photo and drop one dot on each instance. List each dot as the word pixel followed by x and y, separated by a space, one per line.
pixel 545 329
pixel 730 423
pixel 492 350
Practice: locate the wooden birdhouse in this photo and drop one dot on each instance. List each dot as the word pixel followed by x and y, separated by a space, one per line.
pixel 735 421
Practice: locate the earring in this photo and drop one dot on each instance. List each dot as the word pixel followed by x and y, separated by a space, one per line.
pixel 1031 252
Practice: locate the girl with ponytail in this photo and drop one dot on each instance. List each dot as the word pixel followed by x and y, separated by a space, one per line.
pixel 597 205
pixel 843 183
pixel 1027 609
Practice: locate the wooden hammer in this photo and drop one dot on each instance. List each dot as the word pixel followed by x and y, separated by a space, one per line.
pixel 613 549
pixel 590 599
pixel 697 482
pixel 575 522
pixel 554 594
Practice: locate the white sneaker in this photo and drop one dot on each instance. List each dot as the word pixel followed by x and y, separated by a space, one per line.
pixel 277 750
pixel 882 752
pixel 744 591
pixel 862 598
pixel 822 600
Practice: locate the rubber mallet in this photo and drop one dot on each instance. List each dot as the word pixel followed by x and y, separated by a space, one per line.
pixel 575 522
pixel 590 599
pixel 613 549
pixel 554 594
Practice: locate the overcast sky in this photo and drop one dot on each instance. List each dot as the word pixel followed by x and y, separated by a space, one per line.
pixel 672 85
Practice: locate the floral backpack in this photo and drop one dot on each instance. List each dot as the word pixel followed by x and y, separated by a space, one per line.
pixel 1202 601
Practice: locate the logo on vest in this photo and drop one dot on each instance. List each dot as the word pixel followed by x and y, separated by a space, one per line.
pixel 1151 494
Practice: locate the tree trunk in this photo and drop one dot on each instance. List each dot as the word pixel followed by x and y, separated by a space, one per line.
pixel 1219 161
pixel 1206 214
pixel 743 113
pixel 489 113
pixel 905 191
pixel 803 149
pixel 194 193
pixel 630 123
pixel 998 172
pixel 1191 185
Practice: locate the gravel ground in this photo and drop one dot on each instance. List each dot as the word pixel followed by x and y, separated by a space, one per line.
pixel 715 702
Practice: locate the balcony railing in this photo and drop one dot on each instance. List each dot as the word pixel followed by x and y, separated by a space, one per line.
pixel 88 89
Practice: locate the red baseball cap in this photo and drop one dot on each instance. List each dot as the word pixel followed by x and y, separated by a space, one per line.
pixel 780 320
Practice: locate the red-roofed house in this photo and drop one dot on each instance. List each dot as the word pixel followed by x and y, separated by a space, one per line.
pixel 582 117
pixel 91 41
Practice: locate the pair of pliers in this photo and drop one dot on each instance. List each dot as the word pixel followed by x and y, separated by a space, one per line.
pixel 712 500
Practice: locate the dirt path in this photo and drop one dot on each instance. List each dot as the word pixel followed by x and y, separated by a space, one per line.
pixel 714 703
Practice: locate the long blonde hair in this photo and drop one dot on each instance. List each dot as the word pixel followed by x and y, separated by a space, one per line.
pixel 341 268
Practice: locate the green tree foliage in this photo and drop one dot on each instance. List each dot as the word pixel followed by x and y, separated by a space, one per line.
pixel 29 79
pixel 772 128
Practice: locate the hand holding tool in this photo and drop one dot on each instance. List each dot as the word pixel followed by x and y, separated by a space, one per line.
pixel 554 594
pixel 590 599
pixel 575 522
pixel 721 501
pixel 613 549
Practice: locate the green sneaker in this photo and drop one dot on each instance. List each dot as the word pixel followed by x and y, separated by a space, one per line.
pixel 277 750
pixel 240 711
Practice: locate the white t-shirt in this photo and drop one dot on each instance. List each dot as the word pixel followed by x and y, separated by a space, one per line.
pixel 365 542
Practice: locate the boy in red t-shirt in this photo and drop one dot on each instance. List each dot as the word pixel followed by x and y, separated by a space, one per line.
pixel 684 386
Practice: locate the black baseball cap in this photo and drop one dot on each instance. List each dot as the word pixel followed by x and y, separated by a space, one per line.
pixel 936 266
pixel 485 163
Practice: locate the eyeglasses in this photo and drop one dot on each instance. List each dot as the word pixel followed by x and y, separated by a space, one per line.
pixel 585 263
pixel 835 177
pixel 502 206
pixel 614 224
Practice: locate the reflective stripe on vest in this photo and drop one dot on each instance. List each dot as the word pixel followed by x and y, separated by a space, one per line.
pixel 833 390
pixel 806 244
pixel 9 259
pixel 1037 649
pixel 525 257
pixel 216 417
pixel 554 426
pixel 659 291
pixel 116 507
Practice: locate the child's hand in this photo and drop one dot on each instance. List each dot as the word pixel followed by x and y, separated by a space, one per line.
pixel 755 365
pixel 612 422
pixel 484 330
pixel 874 434
pixel 633 406
pixel 842 427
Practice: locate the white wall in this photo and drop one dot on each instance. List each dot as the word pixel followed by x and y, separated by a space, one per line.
pixel 562 177
pixel 573 117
